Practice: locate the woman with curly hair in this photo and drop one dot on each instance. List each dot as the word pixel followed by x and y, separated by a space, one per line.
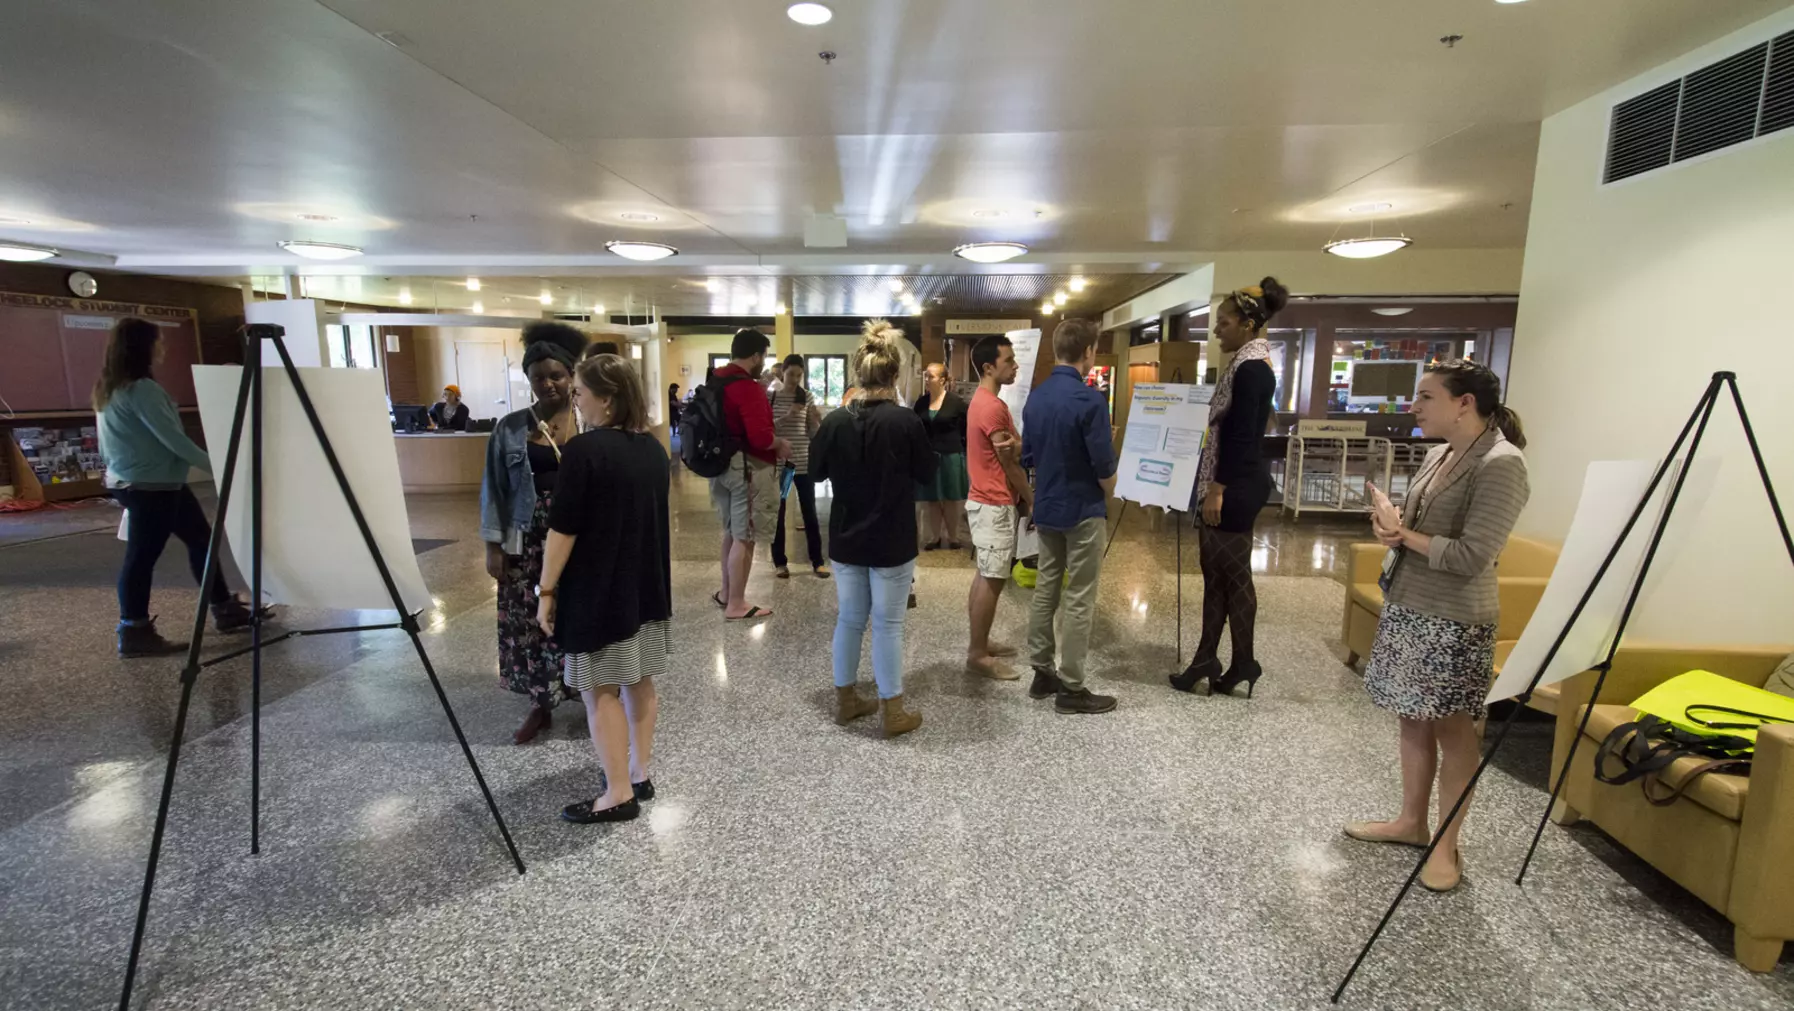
pixel 522 462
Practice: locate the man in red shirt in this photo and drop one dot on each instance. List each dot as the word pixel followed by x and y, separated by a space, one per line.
pixel 1000 492
pixel 746 495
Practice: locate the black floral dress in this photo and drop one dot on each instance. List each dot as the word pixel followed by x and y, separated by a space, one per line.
pixel 529 662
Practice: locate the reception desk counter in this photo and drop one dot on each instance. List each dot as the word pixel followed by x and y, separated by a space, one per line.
pixel 441 461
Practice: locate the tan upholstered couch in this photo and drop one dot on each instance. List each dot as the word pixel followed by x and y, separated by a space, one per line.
pixel 1522 572
pixel 1729 839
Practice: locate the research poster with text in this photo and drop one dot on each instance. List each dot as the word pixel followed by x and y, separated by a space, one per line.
pixel 1162 447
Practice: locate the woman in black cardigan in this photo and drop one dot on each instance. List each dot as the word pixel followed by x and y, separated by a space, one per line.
pixel 1232 486
pixel 943 414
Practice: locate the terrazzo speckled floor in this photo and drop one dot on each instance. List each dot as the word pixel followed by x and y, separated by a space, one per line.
pixel 1181 852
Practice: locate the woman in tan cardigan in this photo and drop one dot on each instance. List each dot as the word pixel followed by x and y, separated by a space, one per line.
pixel 1435 649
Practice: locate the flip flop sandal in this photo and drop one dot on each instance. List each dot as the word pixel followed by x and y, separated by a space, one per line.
pixel 752 613
pixel 717 599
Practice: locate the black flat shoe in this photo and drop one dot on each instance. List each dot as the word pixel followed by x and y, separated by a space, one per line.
pixel 1199 677
pixel 644 790
pixel 582 813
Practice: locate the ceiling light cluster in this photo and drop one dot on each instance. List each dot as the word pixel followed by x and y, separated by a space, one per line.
pixel 990 252
pixel 643 252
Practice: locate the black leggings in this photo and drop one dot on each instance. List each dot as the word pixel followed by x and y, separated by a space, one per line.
pixel 1228 595
pixel 155 516
pixel 804 489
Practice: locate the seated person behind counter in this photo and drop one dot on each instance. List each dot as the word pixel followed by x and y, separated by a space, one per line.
pixel 449 414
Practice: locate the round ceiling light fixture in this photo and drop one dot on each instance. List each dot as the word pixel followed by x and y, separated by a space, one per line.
pixel 990 212
pixel 639 216
pixel 811 14
pixel 640 251
pixel 473 284
pixel 1510 1
pixel 545 298
pixel 598 310
pixel 990 252
pixel 1373 207
pixel 1048 308
pixel 320 250
pixel 1076 284
pixel 315 217
pixel 1368 247
pixel 1394 310
pixel 1060 298
pixel 20 253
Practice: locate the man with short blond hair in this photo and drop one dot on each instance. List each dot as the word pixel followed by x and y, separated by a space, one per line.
pixel 1066 441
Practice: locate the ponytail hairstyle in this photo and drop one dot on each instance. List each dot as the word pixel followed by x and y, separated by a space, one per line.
pixel 130 352
pixel 607 375
pixel 878 360
pixel 1461 378
pixel 1257 303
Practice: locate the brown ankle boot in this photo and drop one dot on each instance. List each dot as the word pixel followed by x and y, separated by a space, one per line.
pixel 850 705
pixel 899 720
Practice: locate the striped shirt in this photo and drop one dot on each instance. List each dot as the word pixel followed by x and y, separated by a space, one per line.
pixel 793 426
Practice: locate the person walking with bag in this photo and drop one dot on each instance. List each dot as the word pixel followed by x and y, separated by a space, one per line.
pixel 875 452
pixel 1434 656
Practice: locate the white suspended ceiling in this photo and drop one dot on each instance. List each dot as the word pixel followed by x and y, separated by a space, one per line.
pixel 189 136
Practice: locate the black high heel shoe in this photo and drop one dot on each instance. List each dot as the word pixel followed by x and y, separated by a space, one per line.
pixel 1248 671
pixel 1196 675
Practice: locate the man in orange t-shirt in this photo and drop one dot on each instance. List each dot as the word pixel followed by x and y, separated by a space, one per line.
pixel 999 495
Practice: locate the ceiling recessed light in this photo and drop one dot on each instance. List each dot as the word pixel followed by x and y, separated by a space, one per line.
pixel 320 250
pixel 1370 208
pixel 315 217
pixel 1060 298
pixel 18 253
pixel 1404 310
pixel 897 285
pixel 545 298
pixel 781 309
pixel 990 252
pixel 1048 308
pixel 642 251
pixel 1077 284
pixel 810 13
pixel 598 310
pixel 404 296
pixel 473 284
pixel 1367 248
pixel 637 216
pixel 479 308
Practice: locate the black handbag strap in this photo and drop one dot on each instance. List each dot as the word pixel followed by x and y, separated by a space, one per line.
pixel 1760 718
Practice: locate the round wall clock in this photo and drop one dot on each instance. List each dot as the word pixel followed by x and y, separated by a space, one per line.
pixel 83 284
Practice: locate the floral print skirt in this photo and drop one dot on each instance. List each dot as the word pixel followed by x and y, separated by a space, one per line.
pixel 529 663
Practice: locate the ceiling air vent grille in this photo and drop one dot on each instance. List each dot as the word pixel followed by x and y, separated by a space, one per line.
pixel 1778 91
pixel 1739 98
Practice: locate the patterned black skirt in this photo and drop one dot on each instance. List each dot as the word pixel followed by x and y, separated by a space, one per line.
pixel 529 663
pixel 1425 667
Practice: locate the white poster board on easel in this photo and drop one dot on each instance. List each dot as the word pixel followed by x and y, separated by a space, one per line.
pixel 1027 352
pixel 314 555
pixel 1162 447
pixel 1611 490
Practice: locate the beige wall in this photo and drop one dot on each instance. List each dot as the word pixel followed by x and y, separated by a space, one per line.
pixel 1633 295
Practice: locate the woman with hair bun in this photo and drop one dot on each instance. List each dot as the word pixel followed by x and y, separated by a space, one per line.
pixel 876 453
pixel 1233 483
pixel 516 493
pixel 1435 651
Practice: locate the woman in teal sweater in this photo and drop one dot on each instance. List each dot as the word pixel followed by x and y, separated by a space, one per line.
pixel 147 458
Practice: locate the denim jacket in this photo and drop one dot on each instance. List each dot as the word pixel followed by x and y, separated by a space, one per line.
pixel 508 489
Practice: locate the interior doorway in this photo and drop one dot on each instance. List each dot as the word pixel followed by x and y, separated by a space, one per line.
pixel 482 371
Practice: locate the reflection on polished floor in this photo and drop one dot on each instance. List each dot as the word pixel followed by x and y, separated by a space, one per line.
pixel 1182 852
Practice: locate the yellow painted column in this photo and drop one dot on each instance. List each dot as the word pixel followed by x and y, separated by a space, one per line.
pixel 783 335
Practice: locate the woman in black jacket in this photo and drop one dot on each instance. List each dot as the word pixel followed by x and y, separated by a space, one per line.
pixel 943 415
pixel 1232 485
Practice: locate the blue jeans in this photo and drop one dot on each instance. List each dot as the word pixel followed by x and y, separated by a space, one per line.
pixel 880 596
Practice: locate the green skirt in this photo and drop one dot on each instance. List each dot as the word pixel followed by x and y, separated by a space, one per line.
pixel 950 483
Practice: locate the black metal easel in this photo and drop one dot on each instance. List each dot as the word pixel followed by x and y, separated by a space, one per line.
pixel 249 400
pixel 1697 423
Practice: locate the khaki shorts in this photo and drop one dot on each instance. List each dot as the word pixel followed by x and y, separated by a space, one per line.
pixel 746 497
pixel 993 534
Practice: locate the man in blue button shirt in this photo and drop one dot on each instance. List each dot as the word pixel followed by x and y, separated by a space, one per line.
pixel 1066 441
